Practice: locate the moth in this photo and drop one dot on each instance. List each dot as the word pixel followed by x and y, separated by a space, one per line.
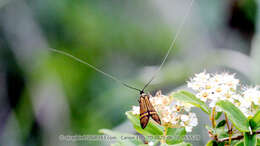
pixel 146 108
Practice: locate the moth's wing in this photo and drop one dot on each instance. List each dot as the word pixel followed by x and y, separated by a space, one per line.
pixel 151 110
pixel 144 115
pixel 155 117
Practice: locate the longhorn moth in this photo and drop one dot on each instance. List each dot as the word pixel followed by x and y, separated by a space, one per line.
pixel 146 108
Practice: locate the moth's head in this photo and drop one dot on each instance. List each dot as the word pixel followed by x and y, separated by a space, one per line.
pixel 144 95
pixel 141 92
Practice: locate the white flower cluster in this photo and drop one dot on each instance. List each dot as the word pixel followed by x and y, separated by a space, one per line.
pixel 172 113
pixel 211 88
pixel 250 102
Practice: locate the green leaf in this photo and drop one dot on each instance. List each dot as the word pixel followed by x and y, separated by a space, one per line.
pixel 175 135
pixel 192 99
pixel 221 124
pixel 240 143
pixel 249 140
pixel 255 121
pixel 210 143
pixel 234 115
pixel 218 115
pixel 222 132
pixel 124 138
pixel 152 127
pixel 214 143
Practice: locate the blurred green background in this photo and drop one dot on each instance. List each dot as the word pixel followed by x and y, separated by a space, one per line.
pixel 44 94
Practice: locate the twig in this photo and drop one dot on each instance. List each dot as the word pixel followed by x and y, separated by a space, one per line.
pixel 229 130
pixel 213 117
pixel 234 138
pixel 163 140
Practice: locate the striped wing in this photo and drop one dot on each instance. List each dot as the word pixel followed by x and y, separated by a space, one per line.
pixel 144 114
pixel 151 110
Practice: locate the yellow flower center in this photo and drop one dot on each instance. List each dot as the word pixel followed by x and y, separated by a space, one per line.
pixel 229 83
pixel 165 101
pixel 218 89
pixel 227 95
pixel 178 108
pixel 205 95
pixel 208 86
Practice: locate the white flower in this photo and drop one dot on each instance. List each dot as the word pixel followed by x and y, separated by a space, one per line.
pixel 225 79
pixel 202 77
pixel 189 121
pixel 156 101
pixel 136 110
pixel 231 81
pixel 184 118
pixel 159 99
pixel 193 119
pixel 151 143
pixel 249 102
pixel 166 119
pixel 203 95
pixel 178 106
pixel 246 111
pixel 252 95
pixel 212 103
pixel 188 128
pixel 198 82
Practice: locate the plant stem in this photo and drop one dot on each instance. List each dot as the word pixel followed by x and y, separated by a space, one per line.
pixel 239 137
pixel 213 117
pixel 163 140
pixel 229 130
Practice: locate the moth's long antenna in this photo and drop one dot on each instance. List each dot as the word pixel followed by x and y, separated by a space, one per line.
pixel 171 46
pixel 96 69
